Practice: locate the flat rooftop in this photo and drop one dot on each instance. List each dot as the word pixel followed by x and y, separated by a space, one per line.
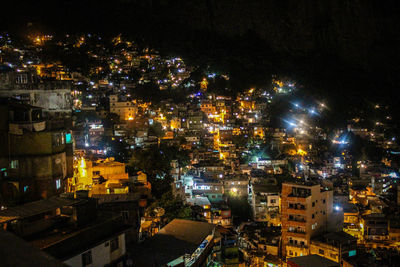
pixel 174 240
pixel 311 260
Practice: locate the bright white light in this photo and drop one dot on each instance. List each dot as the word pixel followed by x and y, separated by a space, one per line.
pixel 337 208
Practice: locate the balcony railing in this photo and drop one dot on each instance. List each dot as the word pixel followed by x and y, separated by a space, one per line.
pixel 296 219
pixel 299 195
pixel 297 207
pixel 297 231
pixel 297 245
pixel 33 126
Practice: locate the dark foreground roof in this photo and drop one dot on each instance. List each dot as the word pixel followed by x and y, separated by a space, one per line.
pixel 311 260
pixel 16 252
pixel 174 240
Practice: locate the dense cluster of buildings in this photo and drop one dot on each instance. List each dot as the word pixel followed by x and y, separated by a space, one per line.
pixel 66 138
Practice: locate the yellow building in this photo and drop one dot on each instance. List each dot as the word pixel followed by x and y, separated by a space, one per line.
pixel 334 246
pixel 207 107
pixel 175 123
pixel 55 71
pixel 245 104
pixel 126 110
pixel 100 177
pixel 258 132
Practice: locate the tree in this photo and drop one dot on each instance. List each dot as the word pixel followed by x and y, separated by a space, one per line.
pixel 149 92
pixel 156 162
pixel 240 208
pixel 173 206
pixel 156 130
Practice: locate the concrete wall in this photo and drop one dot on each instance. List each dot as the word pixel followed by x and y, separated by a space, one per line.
pixel 40 173
pixel 101 254
pixel 34 143
pixel 57 100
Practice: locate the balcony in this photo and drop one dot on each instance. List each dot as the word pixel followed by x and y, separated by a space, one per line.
pixel 296 198
pixel 296 233
pixel 296 221
pixel 299 231
pixel 296 206
pixel 32 126
pixel 296 245
pixel 296 209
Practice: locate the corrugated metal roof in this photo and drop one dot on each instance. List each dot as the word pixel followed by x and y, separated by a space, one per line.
pixel 34 208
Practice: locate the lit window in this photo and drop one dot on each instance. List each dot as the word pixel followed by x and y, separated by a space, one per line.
pixel 14 164
pixel 58 183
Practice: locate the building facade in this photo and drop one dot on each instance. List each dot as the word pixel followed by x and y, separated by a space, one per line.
pixel 306 209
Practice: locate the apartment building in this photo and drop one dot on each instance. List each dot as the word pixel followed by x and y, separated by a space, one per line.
pixel 306 210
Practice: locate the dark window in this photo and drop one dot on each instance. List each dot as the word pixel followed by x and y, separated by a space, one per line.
pixel 125 214
pixel 313 216
pixel 114 244
pixel 323 201
pixel 313 204
pixel 321 251
pixel 87 258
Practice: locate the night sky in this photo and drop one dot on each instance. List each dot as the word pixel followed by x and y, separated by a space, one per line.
pixel 334 48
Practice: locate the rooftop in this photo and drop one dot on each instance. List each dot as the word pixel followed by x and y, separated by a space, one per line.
pixel 36 207
pixel 265 188
pixel 68 240
pixel 336 238
pixel 311 260
pixel 350 208
pixel 174 240
pixel 16 252
pixel 199 201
